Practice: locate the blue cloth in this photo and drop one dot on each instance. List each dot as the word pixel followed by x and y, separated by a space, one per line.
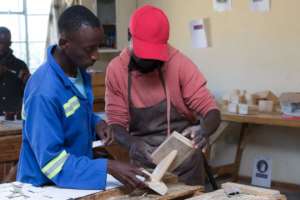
pixel 58 120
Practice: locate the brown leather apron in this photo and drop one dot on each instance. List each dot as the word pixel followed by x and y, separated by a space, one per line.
pixel 150 125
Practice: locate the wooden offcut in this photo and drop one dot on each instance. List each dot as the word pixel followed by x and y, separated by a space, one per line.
pixel 246 189
pixel 265 95
pixel 154 181
pixel 175 141
pixel 235 191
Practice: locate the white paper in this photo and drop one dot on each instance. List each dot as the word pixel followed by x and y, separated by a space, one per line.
pixel 17 190
pixel 198 34
pixel 222 5
pixel 260 5
pixel 97 143
pixel 102 115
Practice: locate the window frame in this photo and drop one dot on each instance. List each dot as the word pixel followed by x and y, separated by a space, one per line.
pixel 24 13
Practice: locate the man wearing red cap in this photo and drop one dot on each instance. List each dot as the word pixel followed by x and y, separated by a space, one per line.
pixel 153 89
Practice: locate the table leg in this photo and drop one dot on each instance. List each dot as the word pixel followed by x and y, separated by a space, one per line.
pixel 239 151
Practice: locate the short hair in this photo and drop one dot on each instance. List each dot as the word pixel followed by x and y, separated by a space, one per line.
pixel 76 16
pixel 6 32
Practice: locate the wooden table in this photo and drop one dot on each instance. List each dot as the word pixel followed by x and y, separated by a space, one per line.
pixel 272 119
pixel 10 143
pixel 176 191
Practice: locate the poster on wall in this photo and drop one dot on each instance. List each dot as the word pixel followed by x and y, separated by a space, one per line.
pixel 222 5
pixel 198 34
pixel 260 5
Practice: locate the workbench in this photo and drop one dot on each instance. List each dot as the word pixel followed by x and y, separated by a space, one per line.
pixel 271 119
pixel 10 144
pixel 176 191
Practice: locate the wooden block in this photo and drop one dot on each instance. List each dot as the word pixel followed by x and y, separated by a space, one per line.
pixel 155 182
pixel 246 189
pixel 232 108
pixel 250 99
pixel 265 106
pixel 175 141
pixel 265 95
pixel 245 109
pixel 237 97
pixel 220 195
pixel 290 97
pixel 163 166
pixel 245 193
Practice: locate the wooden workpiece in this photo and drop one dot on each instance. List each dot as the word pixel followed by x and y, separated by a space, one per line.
pixel 235 191
pixel 154 181
pixel 175 141
pixel 265 95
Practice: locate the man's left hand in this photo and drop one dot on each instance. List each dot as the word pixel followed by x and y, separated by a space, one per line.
pixel 198 135
pixel 105 133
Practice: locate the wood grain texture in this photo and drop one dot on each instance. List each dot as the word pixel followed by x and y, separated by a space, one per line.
pixel 274 119
pixel 245 193
pixel 176 191
pixel 177 142
pixel 10 148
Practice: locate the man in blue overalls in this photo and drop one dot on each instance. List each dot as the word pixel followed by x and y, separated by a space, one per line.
pixel 59 123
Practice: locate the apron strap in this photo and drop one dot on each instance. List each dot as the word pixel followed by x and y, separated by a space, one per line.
pixel 129 93
pixel 168 101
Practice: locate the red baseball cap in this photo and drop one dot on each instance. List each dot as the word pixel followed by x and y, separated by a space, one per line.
pixel 149 28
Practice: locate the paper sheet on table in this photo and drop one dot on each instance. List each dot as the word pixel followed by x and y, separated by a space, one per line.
pixel 198 34
pixel 260 5
pixel 17 190
pixel 222 5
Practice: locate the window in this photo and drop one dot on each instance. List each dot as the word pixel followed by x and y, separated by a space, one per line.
pixel 28 23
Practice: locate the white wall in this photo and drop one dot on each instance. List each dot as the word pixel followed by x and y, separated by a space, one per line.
pixel 253 51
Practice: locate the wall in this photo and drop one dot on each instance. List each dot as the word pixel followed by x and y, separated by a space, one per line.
pixel 253 51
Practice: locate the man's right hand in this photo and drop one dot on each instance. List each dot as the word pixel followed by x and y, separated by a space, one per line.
pixel 126 174
pixel 141 152
pixel 138 150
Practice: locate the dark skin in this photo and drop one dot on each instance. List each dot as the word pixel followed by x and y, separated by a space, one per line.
pixel 138 149
pixel 208 126
pixel 5 43
pixel 80 49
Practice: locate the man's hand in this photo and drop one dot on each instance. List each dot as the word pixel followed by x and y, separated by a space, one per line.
pixel 198 135
pixel 126 174
pixel 105 133
pixel 141 152
pixel 24 75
